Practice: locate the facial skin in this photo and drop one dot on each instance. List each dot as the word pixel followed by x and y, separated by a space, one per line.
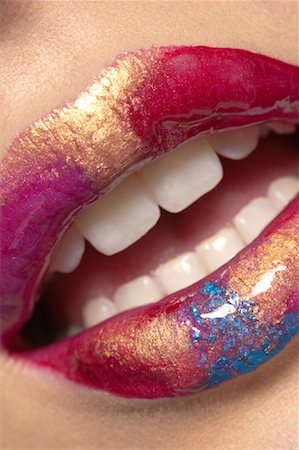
pixel 51 51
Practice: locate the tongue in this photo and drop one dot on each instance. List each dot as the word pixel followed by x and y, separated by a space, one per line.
pixel 100 276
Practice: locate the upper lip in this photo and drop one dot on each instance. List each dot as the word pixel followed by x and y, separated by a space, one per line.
pixel 145 104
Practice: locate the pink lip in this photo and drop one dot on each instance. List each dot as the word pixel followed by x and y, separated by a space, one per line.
pixel 178 346
pixel 151 101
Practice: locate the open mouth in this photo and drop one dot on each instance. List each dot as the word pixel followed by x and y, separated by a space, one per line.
pixel 192 258
pixel 234 198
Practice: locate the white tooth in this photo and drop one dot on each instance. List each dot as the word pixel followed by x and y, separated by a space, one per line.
pixel 73 330
pixel 137 292
pixel 97 310
pixel 264 131
pixel 282 190
pixel 119 219
pixel 180 272
pixel 69 252
pixel 282 128
pixel 220 248
pixel 254 217
pixel 183 176
pixel 236 144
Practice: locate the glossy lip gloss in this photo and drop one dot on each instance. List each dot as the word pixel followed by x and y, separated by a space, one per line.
pixel 145 104
pixel 223 326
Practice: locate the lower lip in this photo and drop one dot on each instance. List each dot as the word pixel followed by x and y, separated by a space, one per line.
pixel 226 325
pixel 188 96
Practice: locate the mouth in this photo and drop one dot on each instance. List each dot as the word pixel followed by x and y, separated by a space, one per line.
pixel 211 292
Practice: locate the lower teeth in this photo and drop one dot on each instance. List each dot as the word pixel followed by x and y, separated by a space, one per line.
pixel 190 267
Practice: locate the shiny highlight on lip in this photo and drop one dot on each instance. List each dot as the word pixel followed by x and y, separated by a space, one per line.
pixel 223 326
pixel 145 104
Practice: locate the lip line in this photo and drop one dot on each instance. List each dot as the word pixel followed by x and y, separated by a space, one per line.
pixel 145 138
pixel 80 357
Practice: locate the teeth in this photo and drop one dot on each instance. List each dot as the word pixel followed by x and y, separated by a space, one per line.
pixel 183 176
pixel 264 131
pixel 69 252
pixel 236 144
pixel 219 249
pixel 277 127
pixel 174 182
pixel 137 292
pixel 190 267
pixel 73 330
pixel 282 128
pixel 97 310
pixel 121 218
pixel 282 190
pixel 253 218
pixel 180 272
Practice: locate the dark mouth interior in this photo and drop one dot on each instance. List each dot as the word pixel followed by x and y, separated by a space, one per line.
pixel 63 294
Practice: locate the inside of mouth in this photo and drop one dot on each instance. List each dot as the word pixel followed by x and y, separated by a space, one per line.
pixel 179 250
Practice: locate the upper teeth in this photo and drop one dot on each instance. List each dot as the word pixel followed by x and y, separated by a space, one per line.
pixel 122 217
pixel 175 181
pixel 69 253
pixel 236 144
pixel 119 219
pixel 183 176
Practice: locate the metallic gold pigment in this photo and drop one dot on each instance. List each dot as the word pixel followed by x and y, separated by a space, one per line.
pixel 75 153
pixel 223 326
pixel 142 106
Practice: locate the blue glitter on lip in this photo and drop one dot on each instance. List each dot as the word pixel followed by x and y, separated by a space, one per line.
pixel 229 343
pixel 256 357
pixel 231 324
pixel 265 345
pixel 195 314
pixel 241 330
pixel 202 360
pixel 251 360
pixel 195 336
pixel 212 338
pixel 241 367
pixel 211 289
pixel 292 323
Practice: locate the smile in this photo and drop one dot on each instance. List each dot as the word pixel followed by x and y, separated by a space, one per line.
pixel 186 300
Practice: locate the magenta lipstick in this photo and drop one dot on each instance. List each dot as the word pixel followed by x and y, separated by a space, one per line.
pixel 145 104
pixel 225 325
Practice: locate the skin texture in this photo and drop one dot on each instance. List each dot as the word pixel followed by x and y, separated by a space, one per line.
pixel 51 51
